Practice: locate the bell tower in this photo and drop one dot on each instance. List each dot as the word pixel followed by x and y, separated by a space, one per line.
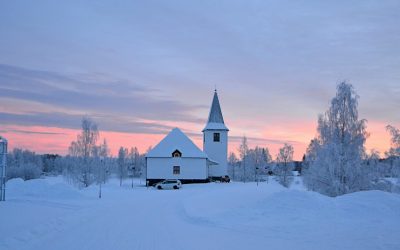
pixel 215 140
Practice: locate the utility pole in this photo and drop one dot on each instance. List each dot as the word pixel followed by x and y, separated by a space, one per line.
pixel 101 175
pixel 133 173
pixel 3 163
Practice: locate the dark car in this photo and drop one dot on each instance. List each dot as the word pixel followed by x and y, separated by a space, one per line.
pixel 225 179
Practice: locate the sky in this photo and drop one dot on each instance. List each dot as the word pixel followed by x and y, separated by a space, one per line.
pixel 141 68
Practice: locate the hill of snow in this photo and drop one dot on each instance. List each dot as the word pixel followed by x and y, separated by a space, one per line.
pixel 50 214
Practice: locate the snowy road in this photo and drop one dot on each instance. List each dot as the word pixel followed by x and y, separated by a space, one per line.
pixel 203 216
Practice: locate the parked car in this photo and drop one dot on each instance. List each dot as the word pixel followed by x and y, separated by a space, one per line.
pixel 169 184
pixel 225 179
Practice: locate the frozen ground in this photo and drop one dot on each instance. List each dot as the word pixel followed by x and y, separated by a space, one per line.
pixel 49 214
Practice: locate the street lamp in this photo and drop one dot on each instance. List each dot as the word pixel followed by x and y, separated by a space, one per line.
pixel 133 173
pixel 3 163
pixel 100 176
pixel 257 175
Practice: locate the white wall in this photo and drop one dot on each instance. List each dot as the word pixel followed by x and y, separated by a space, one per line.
pixel 191 168
pixel 217 151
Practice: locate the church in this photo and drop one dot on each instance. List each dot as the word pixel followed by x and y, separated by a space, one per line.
pixel 177 157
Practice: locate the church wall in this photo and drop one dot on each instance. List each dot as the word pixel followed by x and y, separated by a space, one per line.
pixel 190 168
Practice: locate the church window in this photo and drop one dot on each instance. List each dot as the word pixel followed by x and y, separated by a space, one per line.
pixel 176 153
pixel 216 137
pixel 177 170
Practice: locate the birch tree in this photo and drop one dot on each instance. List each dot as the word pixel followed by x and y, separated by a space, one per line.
pixel 284 165
pixel 83 149
pixel 336 156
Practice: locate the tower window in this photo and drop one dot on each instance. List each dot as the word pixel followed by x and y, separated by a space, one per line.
pixel 177 170
pixel 216 137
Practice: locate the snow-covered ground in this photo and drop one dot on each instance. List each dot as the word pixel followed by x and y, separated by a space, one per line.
pixel 50 214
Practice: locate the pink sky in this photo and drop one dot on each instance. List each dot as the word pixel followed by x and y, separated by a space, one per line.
pixel 56 140
pixel 140 68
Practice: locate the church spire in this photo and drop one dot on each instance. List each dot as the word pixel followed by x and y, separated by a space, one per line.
pixel 215 111
pixel 215 118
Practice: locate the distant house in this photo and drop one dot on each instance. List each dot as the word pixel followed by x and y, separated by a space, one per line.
pixel 177 157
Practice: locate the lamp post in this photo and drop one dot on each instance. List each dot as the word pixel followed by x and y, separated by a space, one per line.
pixel 101 176
pixel 3 163
pixel 257 175
pixel 133 173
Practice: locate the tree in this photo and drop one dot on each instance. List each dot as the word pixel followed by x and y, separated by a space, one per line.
pixel 335 157
pixel 86 141
pixel 83 149
pixel 243 150
pixel 393 154
pixel 121 161
pixel 24 164
pixel 284 165
pixel 232 163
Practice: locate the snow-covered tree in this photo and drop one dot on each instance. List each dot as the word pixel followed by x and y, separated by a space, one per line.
pixel 243 151
pixel 284 165
pixel 232 165
pixel 335 157
pixel 134 161
pixel 85 150
pixel 24 164
pixel 393 154
pixel 122 164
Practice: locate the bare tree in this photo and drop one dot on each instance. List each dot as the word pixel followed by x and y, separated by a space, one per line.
pixel 284 165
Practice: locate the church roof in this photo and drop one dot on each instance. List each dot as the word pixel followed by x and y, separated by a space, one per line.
pixel 215 118
pixel 176 140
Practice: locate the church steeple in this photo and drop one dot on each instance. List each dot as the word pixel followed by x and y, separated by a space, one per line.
pixel 215 118
pixel 215 140
pixel 215 111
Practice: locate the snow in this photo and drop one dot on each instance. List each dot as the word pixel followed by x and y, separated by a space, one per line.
pixel 50 214
pixel 215 126
pixel 176 140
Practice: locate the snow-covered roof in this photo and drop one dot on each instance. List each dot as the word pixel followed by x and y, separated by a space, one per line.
pixel 215 118
pixel 215 126
pixel 176 140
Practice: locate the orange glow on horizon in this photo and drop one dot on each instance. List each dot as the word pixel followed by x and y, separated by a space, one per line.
pixel 57 140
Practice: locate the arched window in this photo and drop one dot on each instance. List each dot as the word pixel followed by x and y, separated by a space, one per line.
pixel 176 153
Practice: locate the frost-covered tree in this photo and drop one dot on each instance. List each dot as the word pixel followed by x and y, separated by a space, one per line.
pixel 335 157
pixel 284 165
pixel 85 151
pixel 134 161
pixel 24 164
pixel 85 144
pixel 243 151
pixel 393 154
pixel 122 171
pixel 258 162
pixel 232 165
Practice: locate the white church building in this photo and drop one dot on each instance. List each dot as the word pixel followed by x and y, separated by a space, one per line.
pixel 177 157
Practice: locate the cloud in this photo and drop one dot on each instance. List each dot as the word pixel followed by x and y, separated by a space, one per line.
pixel 117 105
pixel 63 120
pixel 29 132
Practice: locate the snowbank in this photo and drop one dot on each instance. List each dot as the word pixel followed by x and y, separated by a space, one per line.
pixel 50 214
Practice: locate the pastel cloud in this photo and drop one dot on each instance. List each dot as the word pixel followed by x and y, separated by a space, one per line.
pixel 142 67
